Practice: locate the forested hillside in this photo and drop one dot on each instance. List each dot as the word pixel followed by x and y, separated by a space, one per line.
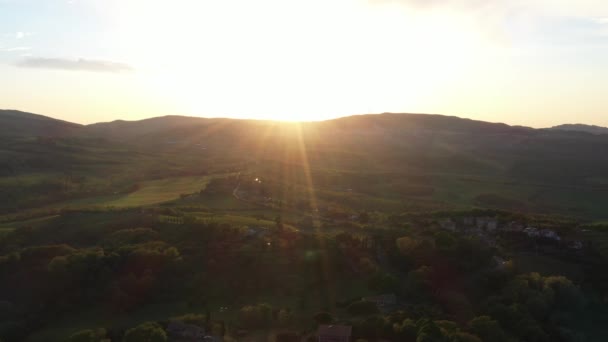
pixel 435 161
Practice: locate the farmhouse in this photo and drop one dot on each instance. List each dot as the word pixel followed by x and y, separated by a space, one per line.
pixel 514 227
pixel 487 223
pixel 447 224
pixel 532 232
pixel 491 225
pixel 468 221
pixel 481 222
pixel 474 231
pixel 577 245
pixel 549 234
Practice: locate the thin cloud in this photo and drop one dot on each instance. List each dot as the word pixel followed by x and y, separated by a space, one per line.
pixel 17 48
pixel 601 21
pixel 74 65
pixel 18 34
pixel 502 20
pixel 21 34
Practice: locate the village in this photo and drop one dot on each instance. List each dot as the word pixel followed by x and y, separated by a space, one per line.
pixel 489 228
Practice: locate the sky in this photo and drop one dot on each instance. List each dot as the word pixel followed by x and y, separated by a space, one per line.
pixel 537 63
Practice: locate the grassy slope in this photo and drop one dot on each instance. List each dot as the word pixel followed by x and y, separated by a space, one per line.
pixel 159 191
pixel 149 192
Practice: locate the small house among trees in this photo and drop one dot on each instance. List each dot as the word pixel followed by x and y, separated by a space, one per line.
pixel 384 302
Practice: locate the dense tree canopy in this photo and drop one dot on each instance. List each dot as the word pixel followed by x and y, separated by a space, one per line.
pixel 146 332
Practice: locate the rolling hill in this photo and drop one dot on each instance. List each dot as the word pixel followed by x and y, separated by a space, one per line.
pixel 581 128
pixel 430 161
pixel 15 123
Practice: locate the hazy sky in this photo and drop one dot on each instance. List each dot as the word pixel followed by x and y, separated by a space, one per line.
pixel 528 62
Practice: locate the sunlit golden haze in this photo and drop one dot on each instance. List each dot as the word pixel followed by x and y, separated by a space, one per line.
pixel 295 61
pixel 534 63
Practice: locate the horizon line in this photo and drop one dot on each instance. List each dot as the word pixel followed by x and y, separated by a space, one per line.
pixel 296 121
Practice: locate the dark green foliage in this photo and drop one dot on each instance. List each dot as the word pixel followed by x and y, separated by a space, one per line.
pixel 487 329
pixel 162 264
pixel 255 316
pixel 372 327
pixel 384 283
pixel 89 335
pixel 362 308
pixel 465 337
pixel 146 332
pixel 532 305
pixel 194 319
pixel 323 318
pixel 11 330
pixel 405 331
pixel 131 236
pixel 429 331
pixel 419 281
pixel 364 217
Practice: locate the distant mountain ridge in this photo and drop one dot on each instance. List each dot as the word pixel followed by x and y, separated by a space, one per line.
pixel 581 128
pixel 517 166
pixel 18 123
pixel 122 129
pixel 14 123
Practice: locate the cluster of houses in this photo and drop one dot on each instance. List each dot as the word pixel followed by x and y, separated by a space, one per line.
pixel 542 233
pixel 484 227
pixel 470 225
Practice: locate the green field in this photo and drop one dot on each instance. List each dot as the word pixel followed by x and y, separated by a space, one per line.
pixel 9 226
pixel 159 191
pixel 148 193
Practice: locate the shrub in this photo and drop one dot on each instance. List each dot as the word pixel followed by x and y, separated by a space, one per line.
pixel 363 307
pixel 323 317
pixel 89 335
pixel 146 332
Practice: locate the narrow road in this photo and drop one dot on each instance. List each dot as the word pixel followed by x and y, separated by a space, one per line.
pixel 235 194
pixel 236 189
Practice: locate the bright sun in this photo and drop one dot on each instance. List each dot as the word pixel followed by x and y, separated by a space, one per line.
pixel 288 60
